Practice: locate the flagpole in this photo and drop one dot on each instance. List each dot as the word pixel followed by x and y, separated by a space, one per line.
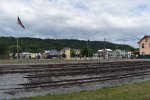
pixel 17 49
pixel 17 38
pixel 17 42
pixel 20 23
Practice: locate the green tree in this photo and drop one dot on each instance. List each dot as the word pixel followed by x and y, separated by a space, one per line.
pixel 90 53
pixel 29 50
pixel 4 50
pixel 72 53
pixel 84 52
pixel 64 55
pixel 40 50
pixel 13 49
pixel 34 44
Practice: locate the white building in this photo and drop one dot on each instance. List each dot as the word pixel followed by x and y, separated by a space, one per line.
pixel 105 53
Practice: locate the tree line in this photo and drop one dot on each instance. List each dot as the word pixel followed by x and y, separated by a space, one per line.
pixel 35 45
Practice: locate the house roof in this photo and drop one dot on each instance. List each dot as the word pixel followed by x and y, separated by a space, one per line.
pixel 51 51
pixel 103 50
pixel 26 53
pixel 100 50
pixel 108 49
pixel 144 37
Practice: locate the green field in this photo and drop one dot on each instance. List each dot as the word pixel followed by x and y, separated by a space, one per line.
pixel 137 91
pixel 53 61
pixel 32 61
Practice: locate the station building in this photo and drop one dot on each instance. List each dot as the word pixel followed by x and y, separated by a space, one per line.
pixel 144 47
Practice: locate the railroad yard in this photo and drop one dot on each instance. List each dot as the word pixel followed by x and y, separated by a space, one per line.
pixel 18 81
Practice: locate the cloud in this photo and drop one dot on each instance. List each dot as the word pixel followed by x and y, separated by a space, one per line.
pixel 116 20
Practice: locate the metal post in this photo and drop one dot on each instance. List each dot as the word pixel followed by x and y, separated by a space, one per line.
pixel 117 54
pixel 17 49
pixel 104 48
pixel 87 49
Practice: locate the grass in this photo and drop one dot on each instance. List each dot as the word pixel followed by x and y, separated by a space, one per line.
pixel 137 91
pixel 32 61
pixel 45 61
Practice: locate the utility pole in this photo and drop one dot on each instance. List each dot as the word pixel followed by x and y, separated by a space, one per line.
pixel 17 50
pixel 117 54
pixel 104 48
pixel 88 48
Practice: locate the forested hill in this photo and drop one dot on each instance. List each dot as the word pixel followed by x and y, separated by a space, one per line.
pixel 38 45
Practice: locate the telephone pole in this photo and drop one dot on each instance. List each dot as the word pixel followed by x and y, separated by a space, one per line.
pixel 88 48
pixel 104 48
pixel 17 50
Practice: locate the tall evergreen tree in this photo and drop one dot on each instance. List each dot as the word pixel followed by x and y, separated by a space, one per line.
pixel 4 50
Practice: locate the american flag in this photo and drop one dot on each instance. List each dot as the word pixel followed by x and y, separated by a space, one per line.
pixel 20 23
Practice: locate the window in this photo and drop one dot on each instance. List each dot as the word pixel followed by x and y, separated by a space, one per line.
pixel 143 45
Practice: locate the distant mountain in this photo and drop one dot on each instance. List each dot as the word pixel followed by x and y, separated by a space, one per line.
pixel 38 45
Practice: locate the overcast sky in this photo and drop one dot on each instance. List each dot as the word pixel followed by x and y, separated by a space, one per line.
pixel 119 21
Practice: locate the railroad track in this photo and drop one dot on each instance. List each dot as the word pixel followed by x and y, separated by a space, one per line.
pixel 81 65
pixel 38 72
pixel 77 81
pixel 85 72
pixel 92 68
pixel 76 70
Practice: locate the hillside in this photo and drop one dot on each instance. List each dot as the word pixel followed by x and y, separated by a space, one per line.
pixel 37 44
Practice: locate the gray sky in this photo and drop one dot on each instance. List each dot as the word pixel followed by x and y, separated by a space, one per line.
pixel 119 21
